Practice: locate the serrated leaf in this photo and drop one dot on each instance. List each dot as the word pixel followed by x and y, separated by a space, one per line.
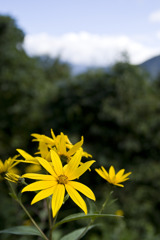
pixel 22 230
pixel 77 233
pixel 78 216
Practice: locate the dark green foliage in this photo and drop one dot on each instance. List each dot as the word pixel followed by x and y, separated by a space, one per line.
pixel 20 88
pixel 117 110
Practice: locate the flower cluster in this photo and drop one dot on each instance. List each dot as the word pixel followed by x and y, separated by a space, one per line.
pixel 57 167
pixel 61 164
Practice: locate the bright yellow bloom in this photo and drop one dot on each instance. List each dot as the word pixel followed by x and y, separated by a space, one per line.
pixel 8 166
pixel 60 179
pixel 62 149
pixel 51 142
pixel 112 177
pixel 60 143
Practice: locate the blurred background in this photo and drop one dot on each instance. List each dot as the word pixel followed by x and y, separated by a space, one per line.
pixel 88 68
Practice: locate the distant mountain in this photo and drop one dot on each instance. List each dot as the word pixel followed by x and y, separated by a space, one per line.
pixel 152 66
pixel 78 69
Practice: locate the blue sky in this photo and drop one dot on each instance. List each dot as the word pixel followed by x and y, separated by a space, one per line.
pixel 88 32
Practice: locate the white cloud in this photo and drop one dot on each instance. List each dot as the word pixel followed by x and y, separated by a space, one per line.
pixel 155 16
pixel 158 34
pixel 88 49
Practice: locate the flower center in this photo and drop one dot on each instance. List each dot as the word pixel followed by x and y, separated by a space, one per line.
pixel 62 179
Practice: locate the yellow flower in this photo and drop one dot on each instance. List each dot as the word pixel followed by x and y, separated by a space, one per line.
pixel 62 149
pixel 113 178
pixel 12 177
pixel 33 168
pixel 8 166
pixel 60 143
pixel 119 212
pixel 50 142
pixel 60 179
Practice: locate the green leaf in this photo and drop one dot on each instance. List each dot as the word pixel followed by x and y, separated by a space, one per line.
pixel 77 233
pixel 92 206
pixel 78 216
pixel 22 230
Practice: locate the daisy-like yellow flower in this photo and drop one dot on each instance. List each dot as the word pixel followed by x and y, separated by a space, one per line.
pixel 8 166
pixel 62 149
pixel 112 177
pixel 45 152
pixel 60 178
pixel 60 143
pixel 50 142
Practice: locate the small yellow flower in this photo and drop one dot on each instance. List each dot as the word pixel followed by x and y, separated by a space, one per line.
pixel 60 179
pixel 12 177
pixel 112 177
pixel 8 166
pixel 119 213
pixel 33 168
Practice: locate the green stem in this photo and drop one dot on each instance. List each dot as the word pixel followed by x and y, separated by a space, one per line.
pixel 26 211
pixel 49 219
pixel 54 220
pixel 93 219
pixel 105 202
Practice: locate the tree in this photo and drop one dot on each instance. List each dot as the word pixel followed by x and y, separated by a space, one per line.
pixel 21 82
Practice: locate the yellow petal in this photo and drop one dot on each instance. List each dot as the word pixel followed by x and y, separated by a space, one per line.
pixel 62 145
pixel 52 133
pixel 54 138
pixel 105 172
pixel 43 149
pixel 112 173
pixel 34 161
pixel 42 194
pixel 126 175
pixel 75 147
pixel 83 189
pixel 57 198
pixel 120 173
pixel 39 176
pixel 46 166
pixel 75 196
pixel 73 164
pixel 25 154
pixel 119 185
pixel 80 170
pixel 39 186
pixel 58 168
pixel 101 173
pixel 33 168
pixel 43 138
